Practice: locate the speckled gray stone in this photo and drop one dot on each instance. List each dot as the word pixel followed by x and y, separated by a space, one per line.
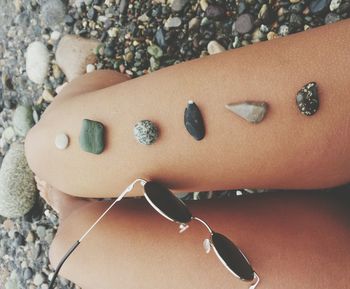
pixel 251 111
pixel 17 185
pixel 146 132
pixel 307 99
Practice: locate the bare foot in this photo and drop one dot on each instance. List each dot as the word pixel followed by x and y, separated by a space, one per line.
pixel 62 203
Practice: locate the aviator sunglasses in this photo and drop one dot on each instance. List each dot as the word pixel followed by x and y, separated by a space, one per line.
pixel 174 209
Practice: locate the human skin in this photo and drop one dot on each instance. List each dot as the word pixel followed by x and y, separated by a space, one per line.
pixel 292 239
pixel 285 150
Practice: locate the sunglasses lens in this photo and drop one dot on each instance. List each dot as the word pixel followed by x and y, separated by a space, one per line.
pixel 233 257
pixel 167 202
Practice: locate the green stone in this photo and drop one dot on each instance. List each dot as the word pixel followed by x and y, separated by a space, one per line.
pixel 91 137
pixel 155 51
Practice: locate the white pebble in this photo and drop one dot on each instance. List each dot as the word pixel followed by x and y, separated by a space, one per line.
pixel 334 4
pixel 90 68
pixel 215 47
pixel 61 141
pixel 8 134
pixel 55 35
pixel 37 62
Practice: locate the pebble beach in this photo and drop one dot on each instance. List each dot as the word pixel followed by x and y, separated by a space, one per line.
pixel 134 37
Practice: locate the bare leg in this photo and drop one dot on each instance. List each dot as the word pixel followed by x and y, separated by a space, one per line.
pixel 287 150
pixel 293 240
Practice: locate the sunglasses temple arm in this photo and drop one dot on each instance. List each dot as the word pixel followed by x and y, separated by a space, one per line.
pixel 76 244
pixel 256 277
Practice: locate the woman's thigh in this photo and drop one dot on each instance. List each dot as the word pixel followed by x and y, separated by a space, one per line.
pixel 293 240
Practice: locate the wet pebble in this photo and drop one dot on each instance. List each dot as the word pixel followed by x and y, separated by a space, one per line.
pixel 215 47
pixel 178 5
pixel 319 6
pixel 331 17
pixel 244 23
pixel 172 22
pixel 215 12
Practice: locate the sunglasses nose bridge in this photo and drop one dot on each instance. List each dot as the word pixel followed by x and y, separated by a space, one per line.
pixel 204 224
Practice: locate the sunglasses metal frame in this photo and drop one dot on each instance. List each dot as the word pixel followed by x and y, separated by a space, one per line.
pixel 182 227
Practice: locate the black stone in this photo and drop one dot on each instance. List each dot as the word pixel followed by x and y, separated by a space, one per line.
pixel 159 36
pixel 123 6
pixel 307 99
pixel 194 121
pixel 92 14
pixel 295 21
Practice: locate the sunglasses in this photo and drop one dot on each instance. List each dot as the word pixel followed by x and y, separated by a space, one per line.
pixel 174 209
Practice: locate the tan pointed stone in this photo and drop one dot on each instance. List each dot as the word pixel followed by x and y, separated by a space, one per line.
pixel 251 111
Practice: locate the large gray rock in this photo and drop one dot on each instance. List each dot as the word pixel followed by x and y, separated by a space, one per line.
pixel 74 53
pixel 17 185
pixel 23 120
pixel 37 62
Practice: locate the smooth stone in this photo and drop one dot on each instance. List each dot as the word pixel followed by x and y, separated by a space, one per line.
pixel 194 121
pixel 266 14
pixel 74 53
pixel 307 99
pixel 179 5
pixel 17 185
pixel 296 21
pixel 257 35
pixel 91 138
pixel 155 51
pixel 251 111
pixel 172 22
pixel 194 23
pixel 215 47
pixel 146 132
pixel 244 23
pixel 331 17
pixel 53 12
pixel 204 4
pixel 90 68
pixel 23 120
pixel 319 6
pixel 334 4
pixel 283 30
pixel 37 62
pixel 160 38
pixel 214 12
pixel 38 279
pixel 61 141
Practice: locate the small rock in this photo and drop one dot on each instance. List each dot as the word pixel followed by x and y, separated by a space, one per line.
pixel 123 6
pixel 53 12
pixel 266 14
pixel 90 68
pixel 17 186
pixel 319 6
pixel 155 51
pixel 252 112
pixel 257 35
pixel 215 47
pixel 172 22
pixel 179 5
pixel 37 62
pixel 194 23
pixel 91 137
pixel 295 21
pixel 294 1
pixel 8 134
pixel 23 120
pixel 27 274
pixel 203 4
pixel 74 53
pixel 307 99
pixel 55 35
pixel 38 279
pixel 244 23
pixel 283 30
pixel 146 132
pixel 334 4
pixel 160 38
pixel 271 35
pixel 331 17
pixel 193 121
pixel 143 18
pixel 215 12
